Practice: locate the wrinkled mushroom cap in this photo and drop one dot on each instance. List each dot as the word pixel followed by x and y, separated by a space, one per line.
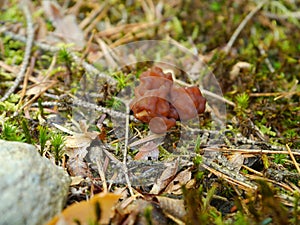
pixel 160 103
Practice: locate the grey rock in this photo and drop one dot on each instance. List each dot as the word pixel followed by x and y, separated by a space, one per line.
pixel 32 189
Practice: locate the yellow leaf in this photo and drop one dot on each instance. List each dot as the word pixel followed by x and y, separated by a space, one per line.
pixel 85 211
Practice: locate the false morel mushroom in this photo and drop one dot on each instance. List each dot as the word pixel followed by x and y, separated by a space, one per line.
pixel 159 102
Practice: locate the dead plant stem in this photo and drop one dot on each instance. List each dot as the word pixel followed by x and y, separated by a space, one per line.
pixel 242 26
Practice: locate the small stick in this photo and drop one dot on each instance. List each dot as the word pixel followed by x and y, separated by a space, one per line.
pixel 293 158
pixel 125 151
pixel 79 102
pixel 253 171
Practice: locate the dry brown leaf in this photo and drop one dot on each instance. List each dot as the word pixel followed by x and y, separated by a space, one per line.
pixel 148 151
pixel 66 25
pixel 134 213
pixel 77 149
pixel 76 180
pixel 80 140
pixel 237 160
pixel 175 207
pixel 165 178
pixel 78 167
pixel 181 179
pixel 39 88
pixel 85 211
pixel 42 30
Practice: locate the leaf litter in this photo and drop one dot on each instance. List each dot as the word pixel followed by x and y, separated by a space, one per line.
pixel 229 178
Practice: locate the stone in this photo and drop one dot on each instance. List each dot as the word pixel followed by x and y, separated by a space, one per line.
pixel 32 188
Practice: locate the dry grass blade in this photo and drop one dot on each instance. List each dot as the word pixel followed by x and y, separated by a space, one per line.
pixel 290 93
pixel 108 54
pixel 87 20
pixel 293 158
pixel 96 20
pixel 243 185
pixel 248 151
pixel 255 177
pixel 25 82
pixel 116 32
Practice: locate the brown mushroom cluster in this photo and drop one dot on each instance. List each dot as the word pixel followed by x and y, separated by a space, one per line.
pixel 159 102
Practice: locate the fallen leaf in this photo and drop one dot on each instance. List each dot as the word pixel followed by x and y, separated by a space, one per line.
pixel 76 180
pixel 174 187
pixel 39 88
pixel 175 207
pixel 78 167
pixel 85 212
pixel 80 140
pixel 66 25
pixel 236 160
pixel 135 213
pixel 77 150
pixel 165 178
pixel 148 151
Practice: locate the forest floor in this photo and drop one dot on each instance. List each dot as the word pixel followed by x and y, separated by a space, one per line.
pixel 68 71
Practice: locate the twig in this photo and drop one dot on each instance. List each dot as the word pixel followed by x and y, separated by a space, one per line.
pixel 29 41
pixel 293 158
pixel 253 171
pixel 48 104
pixel 221 98
pixel 267 61
pixel 111 112
pixel 125 151
pixel 241 26
pixel 36 96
